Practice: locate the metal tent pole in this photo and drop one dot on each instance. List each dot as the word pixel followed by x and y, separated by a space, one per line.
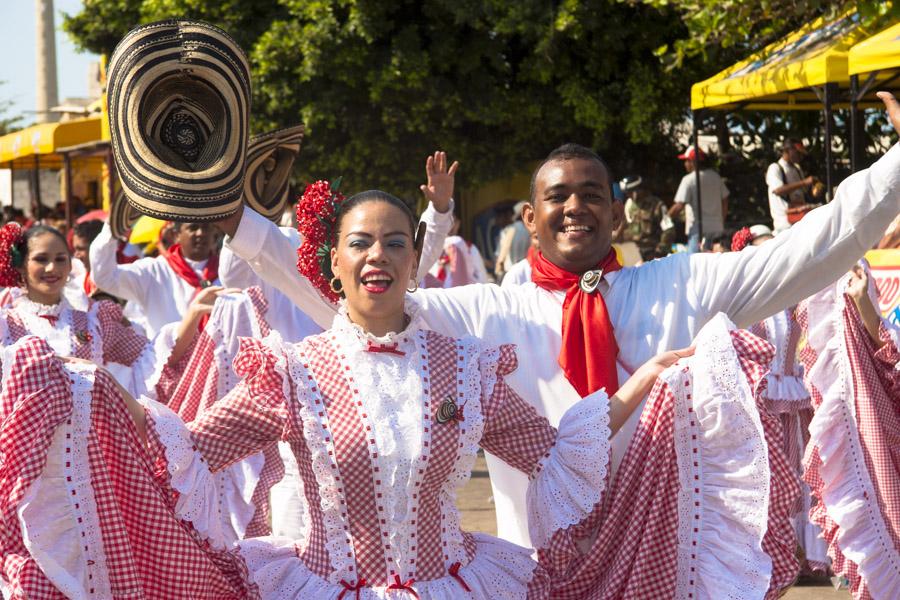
pixel 695 117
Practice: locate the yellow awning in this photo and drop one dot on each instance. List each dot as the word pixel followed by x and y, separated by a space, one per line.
pixel 880 52
pixel 19 149
pixel 780 76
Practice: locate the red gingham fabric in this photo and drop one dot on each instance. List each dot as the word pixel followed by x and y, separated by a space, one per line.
pixel 131 495
pixel 192 386
pixel 874 382
pixel 635 552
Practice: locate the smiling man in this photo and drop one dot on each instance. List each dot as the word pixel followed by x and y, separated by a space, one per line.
pixel 584 322
pixel 162 286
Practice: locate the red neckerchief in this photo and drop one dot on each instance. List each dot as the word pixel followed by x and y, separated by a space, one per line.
pixel 89 286
pixel 178 263
pixel 589 349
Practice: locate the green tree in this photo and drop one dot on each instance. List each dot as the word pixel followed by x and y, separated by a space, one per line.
pixel 498 84
pixel 8 124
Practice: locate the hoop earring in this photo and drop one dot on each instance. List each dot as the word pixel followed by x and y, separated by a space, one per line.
pixel 412 286
pixel 336 286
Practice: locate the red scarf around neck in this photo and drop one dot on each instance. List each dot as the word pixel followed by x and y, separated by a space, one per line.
pixel 181 267
pixel 589 349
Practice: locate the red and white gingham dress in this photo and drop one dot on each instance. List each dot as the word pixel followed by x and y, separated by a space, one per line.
pixel 101 335
pixel 785 395
pixel 853 457
pixel 85 510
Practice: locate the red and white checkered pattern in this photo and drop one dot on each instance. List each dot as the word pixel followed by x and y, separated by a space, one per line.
pixel 635 552
pixel 872 379
pixel 131 495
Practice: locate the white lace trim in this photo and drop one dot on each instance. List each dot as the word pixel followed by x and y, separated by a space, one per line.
pixel 570 479
pixel 499 571
pixel 848 492
pixel 723 473
pixel 342 322
pixel 319 440
pixel 475 382
pixel 198 500
pixel 58 336
pixel 58 515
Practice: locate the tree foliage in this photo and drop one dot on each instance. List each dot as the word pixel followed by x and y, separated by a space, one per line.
pixel 8 124
pixel 740 27
pixel 497 84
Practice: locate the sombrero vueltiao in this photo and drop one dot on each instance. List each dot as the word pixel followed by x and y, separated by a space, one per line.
pixel 179 106
pixel 270 160
pixel 122 216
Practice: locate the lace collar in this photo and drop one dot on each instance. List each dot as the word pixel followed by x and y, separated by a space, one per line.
pixel 343 324
pixel 26 305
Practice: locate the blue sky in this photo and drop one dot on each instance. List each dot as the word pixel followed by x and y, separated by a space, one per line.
pixel 17 56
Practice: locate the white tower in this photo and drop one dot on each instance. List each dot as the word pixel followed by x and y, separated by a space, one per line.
pixel 45 48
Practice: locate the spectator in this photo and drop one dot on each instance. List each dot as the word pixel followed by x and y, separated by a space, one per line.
pixel 514 242
pixel 645 219
pixel 718 242
pixel 713 198
pixel 787 183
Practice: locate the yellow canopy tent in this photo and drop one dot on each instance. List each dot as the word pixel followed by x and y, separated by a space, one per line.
pixel 38 147
pixel 806 70
pixel 877 54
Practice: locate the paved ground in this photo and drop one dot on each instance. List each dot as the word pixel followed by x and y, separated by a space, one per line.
pixel 478 515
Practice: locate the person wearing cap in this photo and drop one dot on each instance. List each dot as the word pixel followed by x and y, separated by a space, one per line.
pixel 645 217
pixel 514 242
pixel 787 183
pixel 713 198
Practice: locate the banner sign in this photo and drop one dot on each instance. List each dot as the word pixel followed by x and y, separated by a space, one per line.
pixel 886 271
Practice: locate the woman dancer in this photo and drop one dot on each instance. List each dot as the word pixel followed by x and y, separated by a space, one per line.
pixel 39 262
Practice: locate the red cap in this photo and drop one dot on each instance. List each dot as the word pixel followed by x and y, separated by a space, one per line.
pixel 689 154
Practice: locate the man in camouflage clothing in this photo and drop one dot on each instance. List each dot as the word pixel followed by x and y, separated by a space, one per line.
pixel 647 221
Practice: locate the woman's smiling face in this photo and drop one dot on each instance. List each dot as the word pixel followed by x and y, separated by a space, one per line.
pixel 46 269
pixel 375 258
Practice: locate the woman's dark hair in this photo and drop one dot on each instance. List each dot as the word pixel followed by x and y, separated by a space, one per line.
pixel 37 231
pixel 374 196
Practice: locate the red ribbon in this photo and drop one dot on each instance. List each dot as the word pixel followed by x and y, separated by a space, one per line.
pixel 406 587
pixel 389 348
pixel 356 587
pixel 589 349
pixel 454 573
pixel 52 318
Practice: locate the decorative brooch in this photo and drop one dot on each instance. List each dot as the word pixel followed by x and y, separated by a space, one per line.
pixel 448 411
pixel 590 280
pixel 83 336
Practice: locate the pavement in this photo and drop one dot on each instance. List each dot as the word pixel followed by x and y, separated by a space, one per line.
pixel 474 500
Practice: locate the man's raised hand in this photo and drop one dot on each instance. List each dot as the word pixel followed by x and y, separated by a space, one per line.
pixel 439 189
pixel 893 109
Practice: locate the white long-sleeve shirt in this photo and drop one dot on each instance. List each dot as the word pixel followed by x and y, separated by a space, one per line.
pixel 653 307
pixel 163 296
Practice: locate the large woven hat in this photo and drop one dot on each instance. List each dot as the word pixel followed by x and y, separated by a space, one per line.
pixel 270 160
pixel 122 216
pixel 179 105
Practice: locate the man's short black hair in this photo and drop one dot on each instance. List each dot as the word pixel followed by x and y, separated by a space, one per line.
pixel 88 229
pixel 571 151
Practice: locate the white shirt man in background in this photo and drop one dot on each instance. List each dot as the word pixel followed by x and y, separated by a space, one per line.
pixel 713 199
pixel 786 182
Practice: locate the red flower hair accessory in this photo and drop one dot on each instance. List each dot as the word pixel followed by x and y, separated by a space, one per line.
pixel 11 254
pixel 316 220
pixel 741 239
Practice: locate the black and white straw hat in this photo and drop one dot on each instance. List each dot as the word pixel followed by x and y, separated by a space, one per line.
pixel 270 161
pixel 122 216
pixel 179 106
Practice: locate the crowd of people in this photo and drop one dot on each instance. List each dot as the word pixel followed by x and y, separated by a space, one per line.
pixel 258 411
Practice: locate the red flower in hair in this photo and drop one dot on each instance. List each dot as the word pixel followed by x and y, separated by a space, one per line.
pixel 741 239
pixel 11 254
pixel 316 220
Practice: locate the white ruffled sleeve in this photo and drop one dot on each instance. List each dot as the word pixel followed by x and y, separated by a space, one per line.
pixel 569 481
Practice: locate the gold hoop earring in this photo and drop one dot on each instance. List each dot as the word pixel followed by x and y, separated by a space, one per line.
pixel 412 286
pixel 336 286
